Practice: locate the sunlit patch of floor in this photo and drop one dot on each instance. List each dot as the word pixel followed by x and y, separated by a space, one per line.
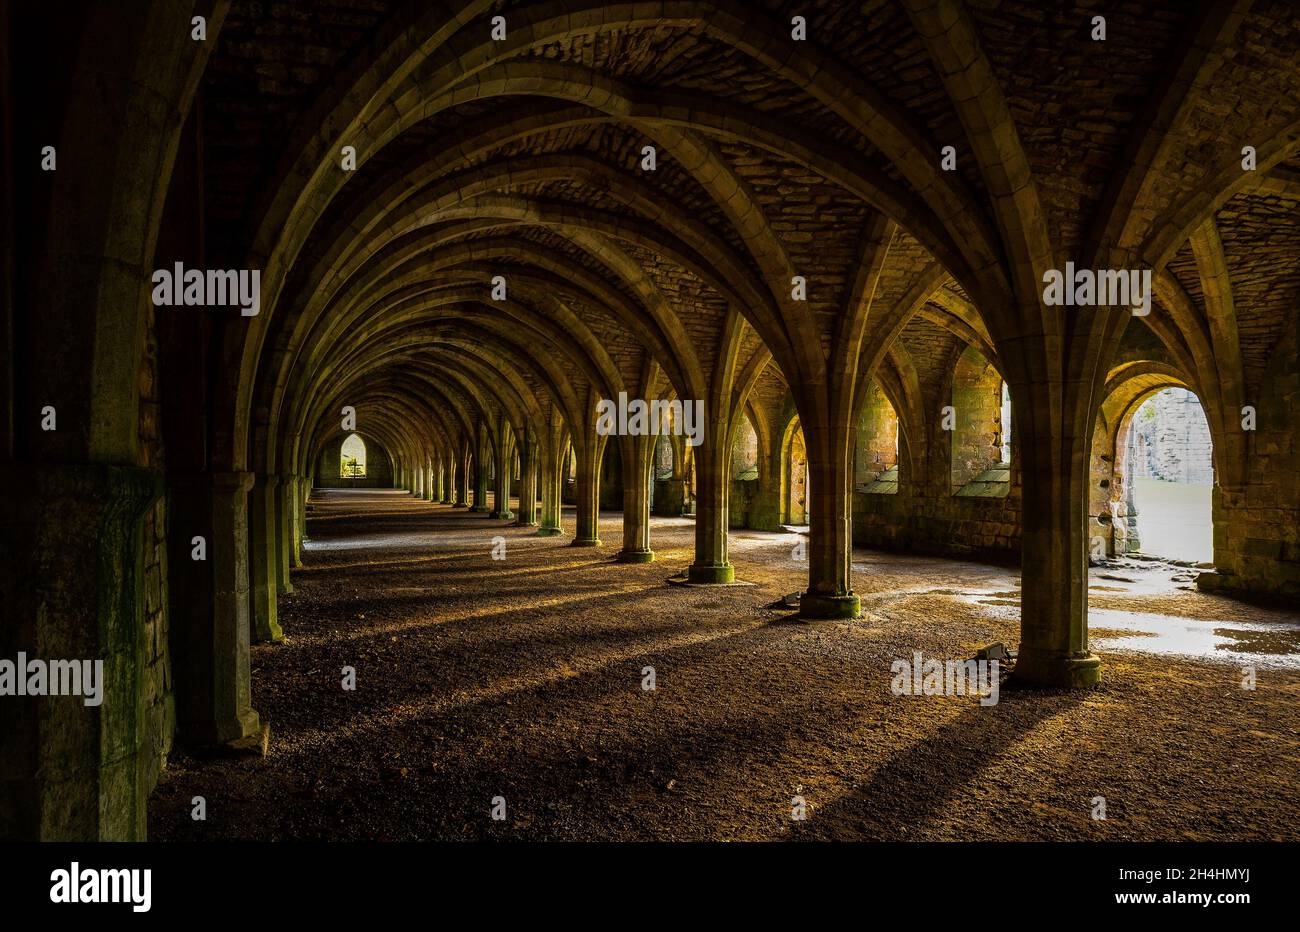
pixel 1226 642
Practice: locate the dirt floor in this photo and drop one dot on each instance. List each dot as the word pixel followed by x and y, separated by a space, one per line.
pixel 522 679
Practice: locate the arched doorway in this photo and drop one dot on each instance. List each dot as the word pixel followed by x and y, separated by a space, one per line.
pixel 1171 468
pixel 1152 471
pixel 352 458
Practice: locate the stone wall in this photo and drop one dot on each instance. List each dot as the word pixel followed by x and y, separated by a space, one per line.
pixel 893 508
pixel 158 704
pixel 976 442
pixel 923 521
pixel 875 446
pixel 1170 439
pixel 1257 527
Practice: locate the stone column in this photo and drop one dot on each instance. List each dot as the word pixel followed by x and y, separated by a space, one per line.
pixel 284 496
pixel 1133 540
pixel 549 474
pixel 637 476
pixel 296 521
pixel 431 492
pixel 210 609
pixel 304 493
pixel 765 508
pixel 1054 555
pixel 446 480
pixel 587 533
pixel 462 485
pixel 830 523
pixel 262 559
pixel 671 501
pixel 504 458
pixel 72 588
pixel 527 481
pixel 480 471
pixel 713 489
pixel 232 715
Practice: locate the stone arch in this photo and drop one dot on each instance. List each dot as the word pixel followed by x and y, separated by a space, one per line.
pixel 794 474
pixel 379 464
pixel 1111 506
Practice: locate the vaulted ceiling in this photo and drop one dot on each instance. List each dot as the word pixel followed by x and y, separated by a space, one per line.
pixel 775 158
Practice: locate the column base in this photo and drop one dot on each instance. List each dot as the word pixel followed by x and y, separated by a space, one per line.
pixel 444 501
pixel 813 605
pixel 253 745
pixel 267 632
pixel 1036 667
pixel 221 733
pixel 480 509
pixel 635 556
pixel 549 531
pixel 501 515
pixel 712 574
pixel 585 542
pixel 522 523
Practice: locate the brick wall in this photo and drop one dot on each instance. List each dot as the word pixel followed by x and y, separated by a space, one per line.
pixel 158 712
pixel 1257 527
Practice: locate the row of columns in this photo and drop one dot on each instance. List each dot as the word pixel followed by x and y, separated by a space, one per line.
pixel 277 507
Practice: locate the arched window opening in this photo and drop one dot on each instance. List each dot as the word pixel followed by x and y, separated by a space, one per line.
pixel 795 476
pixel 663 457
pixel 875 447
pixel 352 458
pixel 689 507
pixel 1152 469
pixel 978 440
pixel 744 452
pixel 1004 424
pixel 1170 460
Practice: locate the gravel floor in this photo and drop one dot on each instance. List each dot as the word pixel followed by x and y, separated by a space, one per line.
pixel 522 679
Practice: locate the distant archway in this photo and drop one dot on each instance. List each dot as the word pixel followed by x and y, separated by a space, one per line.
pixel 1170 460
pixel 1152 470
pixel 352 458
